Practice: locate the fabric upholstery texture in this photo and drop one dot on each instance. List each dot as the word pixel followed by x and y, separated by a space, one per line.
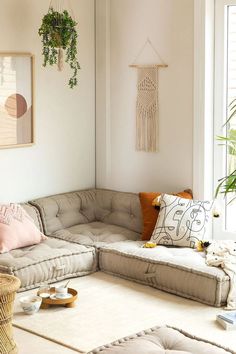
pixel 50 261
pixel 181 222
pixel 96 234
pixel 34 214
pixel 113 222
pixel 119 208
pixel 63 211
pixel 161 340
pixel 181 271
pixel 17 228
pixel 150 213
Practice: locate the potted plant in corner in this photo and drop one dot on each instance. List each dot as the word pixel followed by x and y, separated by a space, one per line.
pixel 58 32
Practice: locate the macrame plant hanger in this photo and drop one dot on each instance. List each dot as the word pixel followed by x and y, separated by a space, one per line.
pixel 147 102
pixel 59 6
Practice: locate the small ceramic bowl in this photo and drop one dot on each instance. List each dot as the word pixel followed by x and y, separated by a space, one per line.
pixel 30 304
pixel 62 296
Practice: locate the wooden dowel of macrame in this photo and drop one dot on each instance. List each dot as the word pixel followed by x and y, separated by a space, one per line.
pixel 148 66
pixel 159 59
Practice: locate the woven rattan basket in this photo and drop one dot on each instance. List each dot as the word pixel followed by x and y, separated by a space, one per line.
pixel 8 287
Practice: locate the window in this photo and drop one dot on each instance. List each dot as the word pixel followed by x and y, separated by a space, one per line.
pixel 225 93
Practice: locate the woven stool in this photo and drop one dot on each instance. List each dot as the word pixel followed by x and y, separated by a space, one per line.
pixel 8 287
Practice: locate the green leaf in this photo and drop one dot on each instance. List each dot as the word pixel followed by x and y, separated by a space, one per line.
pixel 230 117
pixel 232 102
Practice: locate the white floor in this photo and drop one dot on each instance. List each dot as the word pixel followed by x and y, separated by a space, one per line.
pixel 109 308
pixel 30 344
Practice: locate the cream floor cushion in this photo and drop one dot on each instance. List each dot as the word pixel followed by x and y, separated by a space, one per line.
pixel 96 234
pixel 181 271
pixel 160 340
pixel 50 261
pixel 91 217
pixel 66 210
pixel 112 222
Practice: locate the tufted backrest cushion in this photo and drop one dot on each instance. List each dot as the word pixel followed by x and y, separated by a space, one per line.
pixel 119 208
pixel 34 214
pixel 65 210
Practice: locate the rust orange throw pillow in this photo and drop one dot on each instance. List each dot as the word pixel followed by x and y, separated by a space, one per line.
pixel 150 214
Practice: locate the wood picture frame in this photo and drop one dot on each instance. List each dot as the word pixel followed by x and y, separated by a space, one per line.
pixel 16 100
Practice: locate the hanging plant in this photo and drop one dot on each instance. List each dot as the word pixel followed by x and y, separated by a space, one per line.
pixel 58 32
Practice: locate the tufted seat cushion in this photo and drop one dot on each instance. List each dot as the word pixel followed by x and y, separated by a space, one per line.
pixel 96 234
pixel 50 261
pixel 161 340
pixel 181 271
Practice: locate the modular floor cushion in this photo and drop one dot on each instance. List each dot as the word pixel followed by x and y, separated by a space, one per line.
pixel 181 271
pixel 50 261
pixel 91 217
pixel 160 340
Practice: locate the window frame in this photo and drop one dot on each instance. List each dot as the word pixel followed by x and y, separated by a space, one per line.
pixel 220 110
pixel 203 99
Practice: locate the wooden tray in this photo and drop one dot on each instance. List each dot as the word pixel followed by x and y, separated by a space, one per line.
pixel 47 302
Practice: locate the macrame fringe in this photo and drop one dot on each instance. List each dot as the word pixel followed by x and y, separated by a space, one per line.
pixel 146 127
pixel 147 111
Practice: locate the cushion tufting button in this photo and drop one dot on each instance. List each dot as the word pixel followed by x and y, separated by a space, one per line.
pixel 132 215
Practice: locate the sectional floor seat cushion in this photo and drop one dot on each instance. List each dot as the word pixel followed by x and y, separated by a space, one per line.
pixel 181 271
pixel 97 228
pixel 92 217
pixel 112 222
pixel 161 340
pixel 50 261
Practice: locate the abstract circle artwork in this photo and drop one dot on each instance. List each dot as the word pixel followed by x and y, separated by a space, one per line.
pixel 16 99
pixel 16 105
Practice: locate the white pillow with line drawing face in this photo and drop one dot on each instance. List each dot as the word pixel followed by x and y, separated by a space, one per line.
pixel 181 222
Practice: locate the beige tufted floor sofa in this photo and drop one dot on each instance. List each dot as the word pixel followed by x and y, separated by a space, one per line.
pixel 100 229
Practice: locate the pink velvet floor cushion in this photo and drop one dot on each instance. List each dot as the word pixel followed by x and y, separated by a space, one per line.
pixel 17 229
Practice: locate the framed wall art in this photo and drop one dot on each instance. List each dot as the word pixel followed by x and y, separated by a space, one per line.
pixel 16 100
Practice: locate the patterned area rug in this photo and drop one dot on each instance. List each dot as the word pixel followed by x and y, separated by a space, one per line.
pixel 109 308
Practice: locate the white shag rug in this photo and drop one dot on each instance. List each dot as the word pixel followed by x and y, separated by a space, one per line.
pixel 109 308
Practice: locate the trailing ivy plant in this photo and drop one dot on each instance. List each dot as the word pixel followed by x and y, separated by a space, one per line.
pixel 58 32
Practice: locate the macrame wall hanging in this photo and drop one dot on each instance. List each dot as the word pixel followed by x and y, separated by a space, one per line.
pixel 147 102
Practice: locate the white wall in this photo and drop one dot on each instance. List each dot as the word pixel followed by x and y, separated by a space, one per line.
pixel 169 25
pixel 63 156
